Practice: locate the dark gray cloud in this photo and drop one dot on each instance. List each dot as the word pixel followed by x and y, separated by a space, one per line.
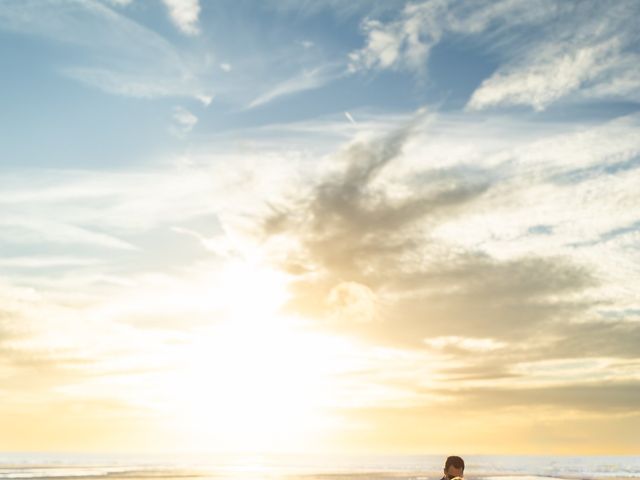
pixel 508 334
pixel 597 339
pixel 621 397
pixel 352 230
pixel 530 311
pixel 561 339
pixel 479 370
pixel 482 297
pixel 558 341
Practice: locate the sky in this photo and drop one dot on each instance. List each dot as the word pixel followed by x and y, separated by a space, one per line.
pixel 320 226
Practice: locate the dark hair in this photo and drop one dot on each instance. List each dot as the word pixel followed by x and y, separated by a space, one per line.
pixel 457 462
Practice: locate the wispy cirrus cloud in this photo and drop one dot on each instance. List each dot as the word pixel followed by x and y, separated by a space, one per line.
pixel 66 201
pixel 574 52
pixel 306 80
pixel 34 262
pixel 341 10
pixel 120 3
pixel 19 230
pixel 406 41
pixel 583 57
pixel 126 58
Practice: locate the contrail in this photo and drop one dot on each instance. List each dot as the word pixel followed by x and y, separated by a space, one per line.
pixel 349 117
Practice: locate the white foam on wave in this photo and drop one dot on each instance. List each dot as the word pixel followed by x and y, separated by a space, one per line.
pixel 285 467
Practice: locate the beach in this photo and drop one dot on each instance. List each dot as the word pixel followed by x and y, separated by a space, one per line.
pixel 308 467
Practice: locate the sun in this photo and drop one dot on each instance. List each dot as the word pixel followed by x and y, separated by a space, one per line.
pixel 258 380
pixel 256 389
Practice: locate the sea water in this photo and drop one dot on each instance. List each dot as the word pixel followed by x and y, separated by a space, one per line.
pixel 32 466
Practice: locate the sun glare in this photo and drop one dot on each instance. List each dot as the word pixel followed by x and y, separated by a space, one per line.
pixel 257 380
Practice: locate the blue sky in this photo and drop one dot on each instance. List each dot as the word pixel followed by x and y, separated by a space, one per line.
pixel 422 214
pixel 114 73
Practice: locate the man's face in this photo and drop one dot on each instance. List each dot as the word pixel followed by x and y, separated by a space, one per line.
pixel 453 472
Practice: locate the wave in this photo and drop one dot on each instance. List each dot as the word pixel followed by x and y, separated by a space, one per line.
pixel 310 467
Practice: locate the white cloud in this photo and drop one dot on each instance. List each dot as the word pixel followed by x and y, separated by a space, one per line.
pixel 67 202
pixel 566 193
pixel 184 121
pixel 225 67
pixel 127 58
pixel 620 78
pixel 38 230
pixel 577 50
pixel 549 176
pixel 382 50
pixel 402 43
pixel 106 208
pixel 406 41
pixel 205 99
pixel 307 80
pixel 550 73
pixel 131 84
pixel 585 51
pixel 184 117
pixel 35 262
pixel 349 117
pixel 120 3
pixel 217 244
pixel 184 14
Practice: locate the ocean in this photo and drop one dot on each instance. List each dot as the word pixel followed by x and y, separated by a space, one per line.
pixel 32 466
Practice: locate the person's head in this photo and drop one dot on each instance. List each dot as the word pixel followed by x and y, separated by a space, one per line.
pixel 454 467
